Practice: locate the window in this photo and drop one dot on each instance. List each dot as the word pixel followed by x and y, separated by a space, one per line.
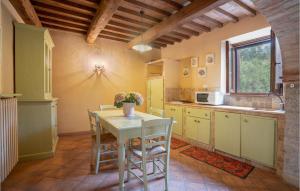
pixel 251 66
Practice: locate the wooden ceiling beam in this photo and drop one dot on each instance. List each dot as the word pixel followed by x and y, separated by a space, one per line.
pixel 62 23
pixel 164 41
pixel 245 7
pixel 104 13
pixel 90 4
pixel 62 5
pixel 180 34
pixel 118 24
pixel 49 25
pixel 213 21
pixel 135 13
pixel 113 38
pixel 61 18
pixel 201 27
pixel 188 31
pixel 167 37
pixel 186 14
pixel 149 7
pixel 231 16
pixel 61 11
pixel 26 11
pixel 159 44
pixel 120 30
pixel 174 4
pixel 118 35
pixel 130 20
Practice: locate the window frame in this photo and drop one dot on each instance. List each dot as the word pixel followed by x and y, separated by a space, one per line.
pixel 232 65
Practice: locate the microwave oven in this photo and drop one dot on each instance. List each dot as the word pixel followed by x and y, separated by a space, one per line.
pixel 211 98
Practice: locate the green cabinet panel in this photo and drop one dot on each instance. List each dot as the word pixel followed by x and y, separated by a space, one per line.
pixel 176 113
pixel 195 112
pixel 155 96
pixel 258 139
pixel 191 127
pixel 227 132
pixel 204 131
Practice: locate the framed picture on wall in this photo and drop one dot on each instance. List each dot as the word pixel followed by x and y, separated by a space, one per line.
pixel 194 62
pixel 186 72
pixel 210 58
pixel 202 72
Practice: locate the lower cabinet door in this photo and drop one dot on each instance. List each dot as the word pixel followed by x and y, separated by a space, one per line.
pixel 176 113
pixel 227 132
pixel 191 128
pixel 203 130
pixel 258 139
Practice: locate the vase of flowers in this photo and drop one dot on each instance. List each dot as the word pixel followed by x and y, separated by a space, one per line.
pixel 128 101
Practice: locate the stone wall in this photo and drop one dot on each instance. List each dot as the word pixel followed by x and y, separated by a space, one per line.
pixel 283 16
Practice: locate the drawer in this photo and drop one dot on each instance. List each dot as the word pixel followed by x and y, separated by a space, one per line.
pixel 202 113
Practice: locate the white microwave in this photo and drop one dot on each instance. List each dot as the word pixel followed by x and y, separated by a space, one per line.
pixel 211 98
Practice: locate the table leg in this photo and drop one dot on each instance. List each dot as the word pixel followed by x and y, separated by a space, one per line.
pixel 121 162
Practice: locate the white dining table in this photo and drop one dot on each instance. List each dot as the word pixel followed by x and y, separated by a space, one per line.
pixel 123 128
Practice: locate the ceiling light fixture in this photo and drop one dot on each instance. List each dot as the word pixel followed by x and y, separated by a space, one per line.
pixel 142 47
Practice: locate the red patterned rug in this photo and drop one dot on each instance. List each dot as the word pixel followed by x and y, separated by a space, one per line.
pixel 227 164
pixel 176 143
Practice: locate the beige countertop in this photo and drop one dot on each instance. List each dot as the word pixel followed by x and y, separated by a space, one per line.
pixel 246 110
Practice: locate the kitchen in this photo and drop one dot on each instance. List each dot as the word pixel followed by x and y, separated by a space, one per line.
pixel 218 79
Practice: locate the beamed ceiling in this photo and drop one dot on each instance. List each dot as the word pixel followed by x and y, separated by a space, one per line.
pixel 164 22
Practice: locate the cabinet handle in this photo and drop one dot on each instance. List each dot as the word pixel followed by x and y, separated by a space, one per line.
pixel 245 120
pixel 195 120
pixel 188 112
pixel 205 115
pixel 226 116
pixel 198 121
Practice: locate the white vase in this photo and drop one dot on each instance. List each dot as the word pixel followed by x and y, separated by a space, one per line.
pixel 128 109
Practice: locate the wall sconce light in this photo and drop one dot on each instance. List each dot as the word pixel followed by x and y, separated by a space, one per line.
pixel 99 69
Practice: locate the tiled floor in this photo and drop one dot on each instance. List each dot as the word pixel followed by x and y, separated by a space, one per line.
pixel 70 170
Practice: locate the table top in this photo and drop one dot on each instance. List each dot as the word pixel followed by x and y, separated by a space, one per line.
pixel 117 119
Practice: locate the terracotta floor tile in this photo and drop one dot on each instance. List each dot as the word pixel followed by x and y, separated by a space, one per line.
pixel 69 170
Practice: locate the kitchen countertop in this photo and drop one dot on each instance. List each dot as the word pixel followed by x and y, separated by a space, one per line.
pixel 240 109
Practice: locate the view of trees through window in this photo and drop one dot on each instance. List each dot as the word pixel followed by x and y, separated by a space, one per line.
pixel 254 65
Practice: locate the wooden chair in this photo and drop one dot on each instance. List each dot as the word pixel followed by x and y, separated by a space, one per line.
pixel 107 107
pixel 155 148
pixel 103 143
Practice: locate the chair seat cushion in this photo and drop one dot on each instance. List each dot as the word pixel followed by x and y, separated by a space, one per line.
pixel 154 151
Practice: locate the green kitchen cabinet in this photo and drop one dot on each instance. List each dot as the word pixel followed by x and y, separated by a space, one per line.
pixel 197 124
pixel 176 113
pixel 228 132
pixel 258 139
pixel 37 113
pixel 155 96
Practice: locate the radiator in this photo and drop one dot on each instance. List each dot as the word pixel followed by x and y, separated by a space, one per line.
pixel 8 136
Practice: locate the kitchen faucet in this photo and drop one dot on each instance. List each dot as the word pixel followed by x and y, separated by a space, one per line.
pixel 279 97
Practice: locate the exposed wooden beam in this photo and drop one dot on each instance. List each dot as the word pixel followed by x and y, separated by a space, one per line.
pixel 189 31
pixel 138 29
pixel 180 34
pixel 164 41
pixel 159 44
pixel 135 13
pixel 62 23
pixel 61 11
pixel 90 4
pixel 62 18
pixel 118 35
pixel 174 4
pixel 201 27
pixel 112 28
pixel 186 14
pixel 150 7
pixel 246 7
pixel 213 21
pixel 113 38
pixel 104 13
pixel 26 11
pixel 61 5
pixel 130 20
pixel 233 17
pixel 64 28
pixel 171 38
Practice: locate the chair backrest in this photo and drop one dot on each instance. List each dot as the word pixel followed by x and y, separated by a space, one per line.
pixel 107 107
pixel 159 130
pixel 95 125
